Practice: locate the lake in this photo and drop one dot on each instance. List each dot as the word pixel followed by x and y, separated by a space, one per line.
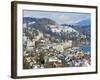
pixel 85 48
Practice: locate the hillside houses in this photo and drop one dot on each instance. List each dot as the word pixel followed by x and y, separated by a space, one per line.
pixel 54 28
pixel 52 48
pixel 60 28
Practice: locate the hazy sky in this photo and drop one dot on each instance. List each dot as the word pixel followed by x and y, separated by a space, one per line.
pixel 59 17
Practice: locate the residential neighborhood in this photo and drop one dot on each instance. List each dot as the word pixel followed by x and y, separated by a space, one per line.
pixel 57 46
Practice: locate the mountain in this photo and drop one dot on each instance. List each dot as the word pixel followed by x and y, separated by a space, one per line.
pixel 28 19
pixel 84 26
pixel 38 23
pixel 48 26
pixel 84 22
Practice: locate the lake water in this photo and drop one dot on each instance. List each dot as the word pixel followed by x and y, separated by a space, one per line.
pixel 85 48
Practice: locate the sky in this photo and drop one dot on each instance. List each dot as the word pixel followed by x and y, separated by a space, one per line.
pixel 59 17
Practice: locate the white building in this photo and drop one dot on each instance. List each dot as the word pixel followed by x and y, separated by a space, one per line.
pixel 69 29
pixel 54 28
